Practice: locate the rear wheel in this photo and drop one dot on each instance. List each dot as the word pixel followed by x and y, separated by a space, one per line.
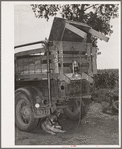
pixel 24 117
pixel 72 111
pixel 115 106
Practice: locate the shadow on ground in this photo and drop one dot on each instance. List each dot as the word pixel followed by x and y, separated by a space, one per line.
pixel 96 128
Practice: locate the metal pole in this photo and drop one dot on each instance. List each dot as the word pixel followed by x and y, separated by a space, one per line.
pixel 81 102
pixel 48 74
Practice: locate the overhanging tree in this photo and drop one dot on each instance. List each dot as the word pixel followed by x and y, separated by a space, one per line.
pixel 97 16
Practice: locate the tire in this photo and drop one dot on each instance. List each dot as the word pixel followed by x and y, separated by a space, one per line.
pixel 73 110
pixel 24 117
pixel 115 106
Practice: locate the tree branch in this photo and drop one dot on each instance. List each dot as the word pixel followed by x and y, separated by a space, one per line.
pixel 90 7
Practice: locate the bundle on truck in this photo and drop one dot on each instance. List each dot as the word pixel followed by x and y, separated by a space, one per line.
pixel 55 75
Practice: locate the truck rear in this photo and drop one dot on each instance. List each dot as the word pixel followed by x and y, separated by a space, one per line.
pixel 55 75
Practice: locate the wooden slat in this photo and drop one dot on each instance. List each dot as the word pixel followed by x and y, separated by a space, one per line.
pixel 77 23
pixel 71 46
pixel 60 48
pixel 67 64
pixel 89 59
pixel 98 35
pixel 94 59
pixel 69 70
pixel 74 46
pixel 76 30
pixel 31 76
pixel 70 60
pixel 70 64
pixel 34 77
pixel 31 68
pixel 74 56
pixel 55 60
pixel 82 47
pixel 42 57
pixel 70 52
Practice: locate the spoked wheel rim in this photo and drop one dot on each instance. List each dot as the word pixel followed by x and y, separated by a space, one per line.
pixel 74 107
pixel 23 112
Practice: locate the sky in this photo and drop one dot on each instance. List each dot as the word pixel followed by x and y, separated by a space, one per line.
pixel 28 28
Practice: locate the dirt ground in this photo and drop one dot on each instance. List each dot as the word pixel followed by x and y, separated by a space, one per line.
pixel 96 128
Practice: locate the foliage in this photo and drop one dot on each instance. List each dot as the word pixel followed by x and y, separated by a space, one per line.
pixel 97 16
pixel 106 79
pixel 107 87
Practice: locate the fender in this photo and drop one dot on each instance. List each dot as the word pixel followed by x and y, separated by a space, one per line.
pixel 34 95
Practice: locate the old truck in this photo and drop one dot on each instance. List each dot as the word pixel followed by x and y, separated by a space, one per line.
pixel 55 75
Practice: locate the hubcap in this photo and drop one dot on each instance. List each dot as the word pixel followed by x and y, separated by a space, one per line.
pixel 25 112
